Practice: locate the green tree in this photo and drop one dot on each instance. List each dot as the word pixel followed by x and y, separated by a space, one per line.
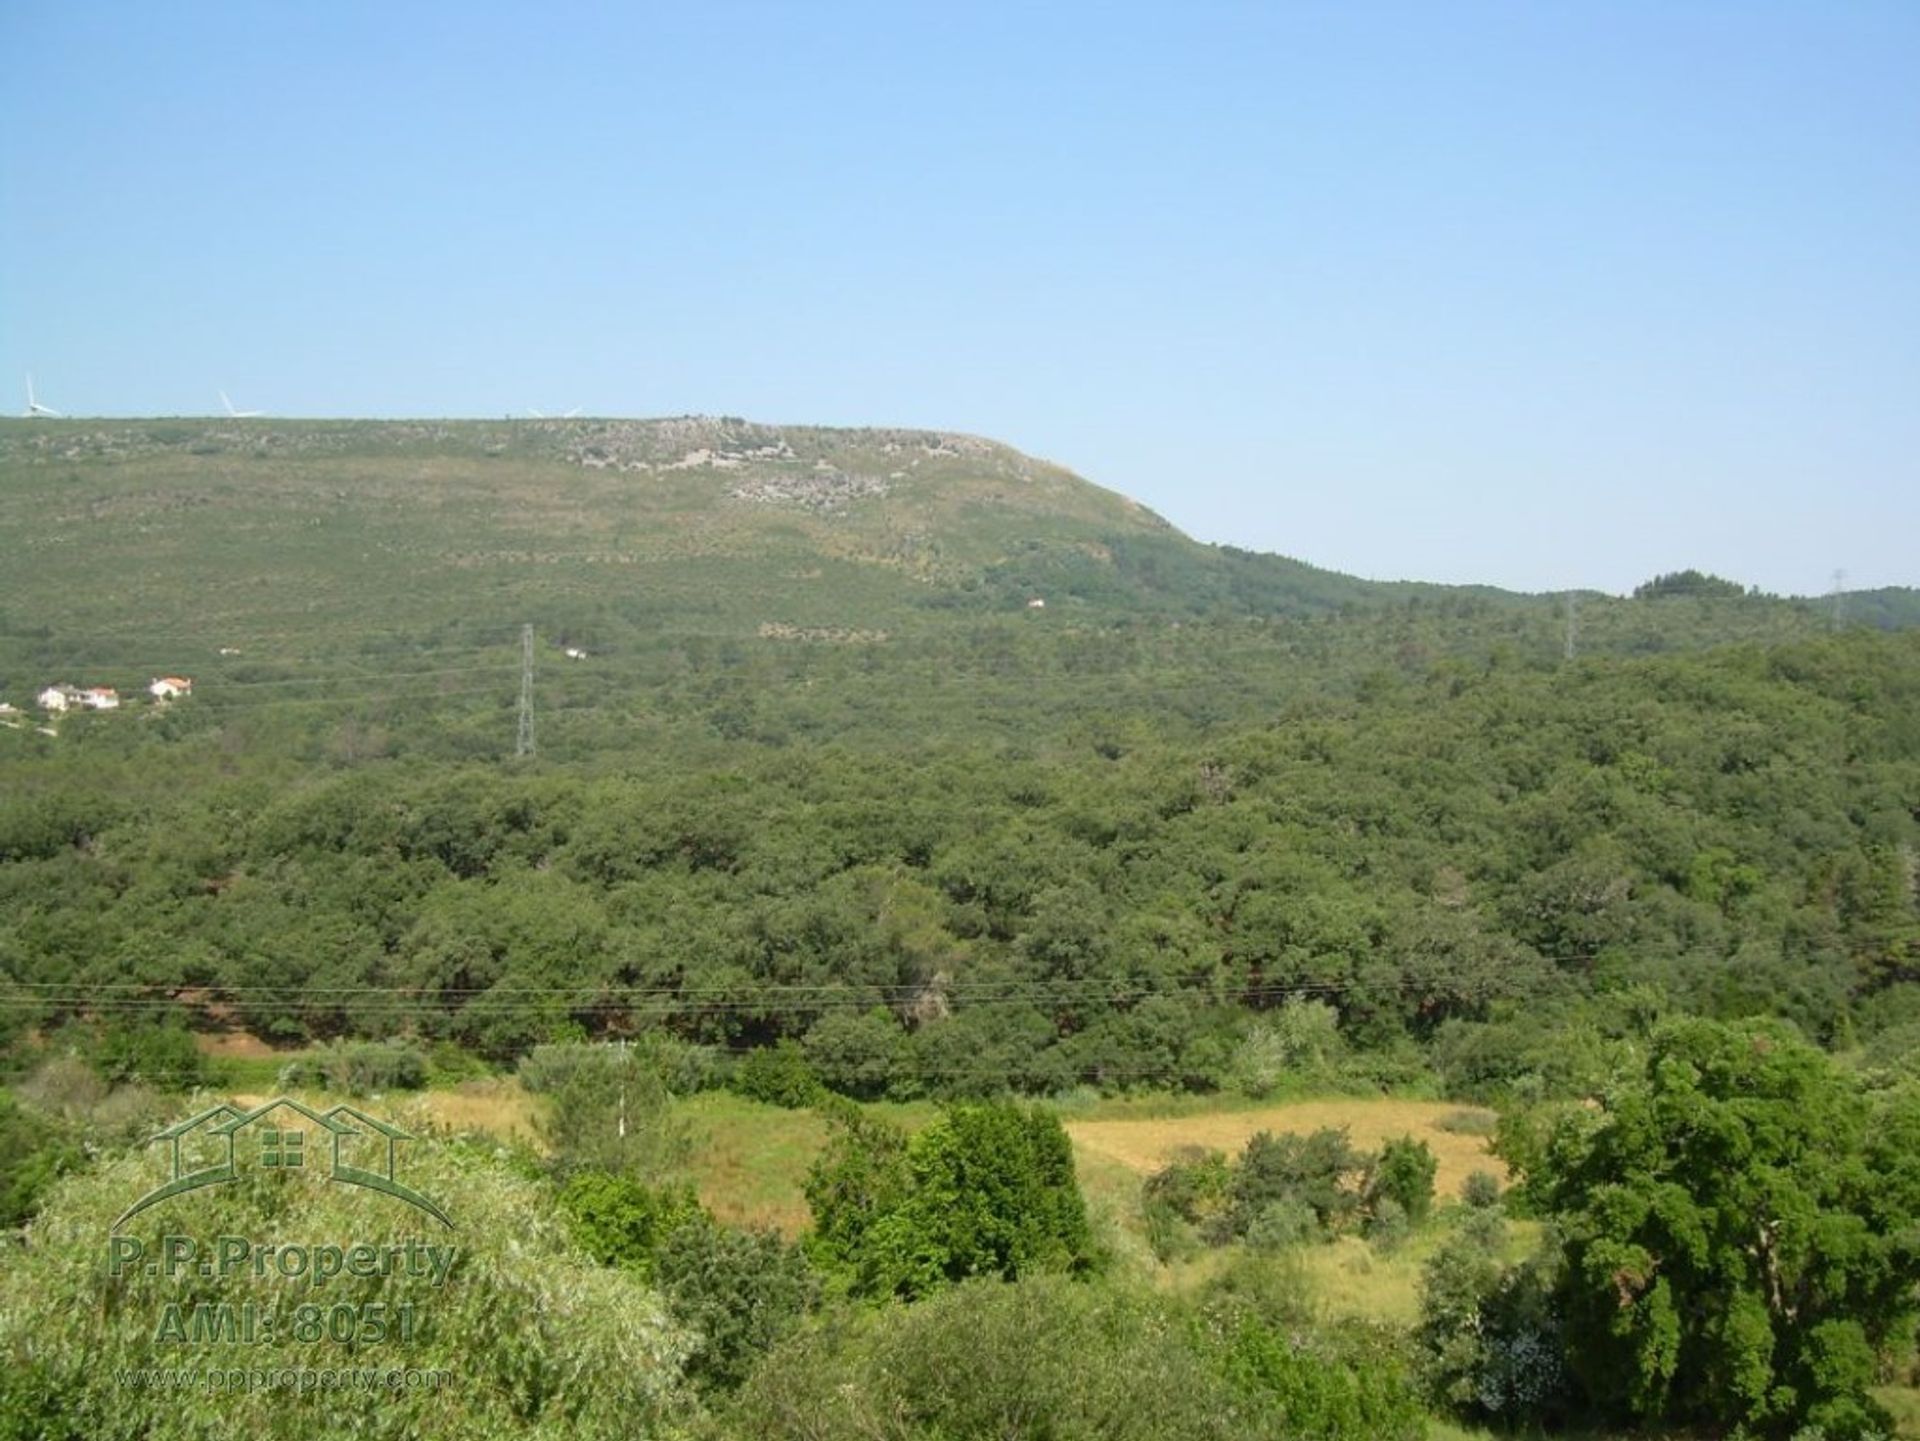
pixel 739 1291
pixel 1403 1173
pixel 987 1190
pixel 620 1221
pixel 608 1109
pixel 1321 1172
pixel 778 1075
pixel 1742 1234
pixel 992 1192
pixel 860 1177
pixel 864 1056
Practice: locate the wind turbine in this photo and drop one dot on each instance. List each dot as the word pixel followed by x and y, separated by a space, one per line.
pixel 35 408
pixel 233 414
pixel 542 415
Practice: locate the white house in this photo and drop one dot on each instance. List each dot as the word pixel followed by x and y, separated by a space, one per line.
pixel 58 698
pixel 170 687
pixel 573 652
pixel 1037 603
pixel 100 697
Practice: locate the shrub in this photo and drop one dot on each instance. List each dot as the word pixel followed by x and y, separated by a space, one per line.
pixel 1040 1357
pixel 1403 1174
pixel 1343 1381
pixel 779 1075
pixel 1473 1121
pixel 866 1056
pixel 449 1064
pixel 621 1222
pixel 1481 1190
pixel 164 1057
pixel 991 1192
pixel 740 1292
pixel 1281 1224
pixel 34 1152
pixel 988 1189
pixel 1491 1334
pixel 1320 1171
pixel 359 1068
pixel 609 1110
pixel 1300 1042
pixel 1388 1224
pixel 540 1342
pixel 1186 1195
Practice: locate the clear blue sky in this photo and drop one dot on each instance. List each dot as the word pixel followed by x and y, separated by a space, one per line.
pixel 1541 294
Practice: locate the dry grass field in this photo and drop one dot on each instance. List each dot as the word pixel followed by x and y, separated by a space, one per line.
pixel 1145 1144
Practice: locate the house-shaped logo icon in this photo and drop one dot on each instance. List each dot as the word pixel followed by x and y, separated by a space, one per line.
pixel 274 1144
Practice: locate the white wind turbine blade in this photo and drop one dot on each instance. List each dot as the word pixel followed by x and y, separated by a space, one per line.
pixel 34 407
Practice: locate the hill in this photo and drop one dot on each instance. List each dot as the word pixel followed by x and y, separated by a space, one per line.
pixel 699 577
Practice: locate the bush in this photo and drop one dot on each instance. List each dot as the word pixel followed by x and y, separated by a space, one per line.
pixel 866 1056
pixel 35 1151
pixel 1491 1334
pixel 1344 1381
pixel 539 1341
pixel 1319 1171
pixel 1300 1042
pixel 778 1075
pixel 991 1191
pixel 1481 1190
pixel 1403 1174
pixel 1281 1224
pixel 359 1068
pixel 1388 1224
pixel 621 1222
pixel 449 1064
pixel 857 1179
pixel 1184 1196
pixel 1041 1357
pixel 164 1057
pixel 740 1292
pixel 1469 1122
pixel 610 1110
pixel 988 1189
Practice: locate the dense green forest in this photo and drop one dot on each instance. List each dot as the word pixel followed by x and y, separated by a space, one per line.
pixel 1733 832
pixel 855 771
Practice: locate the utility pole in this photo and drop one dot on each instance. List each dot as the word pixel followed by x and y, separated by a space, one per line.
pixel 1573 626
pixel 623 1088
pixel 523 746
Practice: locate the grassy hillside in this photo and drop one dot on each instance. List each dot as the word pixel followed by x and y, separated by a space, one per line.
pixel 353 589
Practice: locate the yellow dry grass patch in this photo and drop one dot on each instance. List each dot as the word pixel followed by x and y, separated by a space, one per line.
pixel 496 1108
pixel 1145 1144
